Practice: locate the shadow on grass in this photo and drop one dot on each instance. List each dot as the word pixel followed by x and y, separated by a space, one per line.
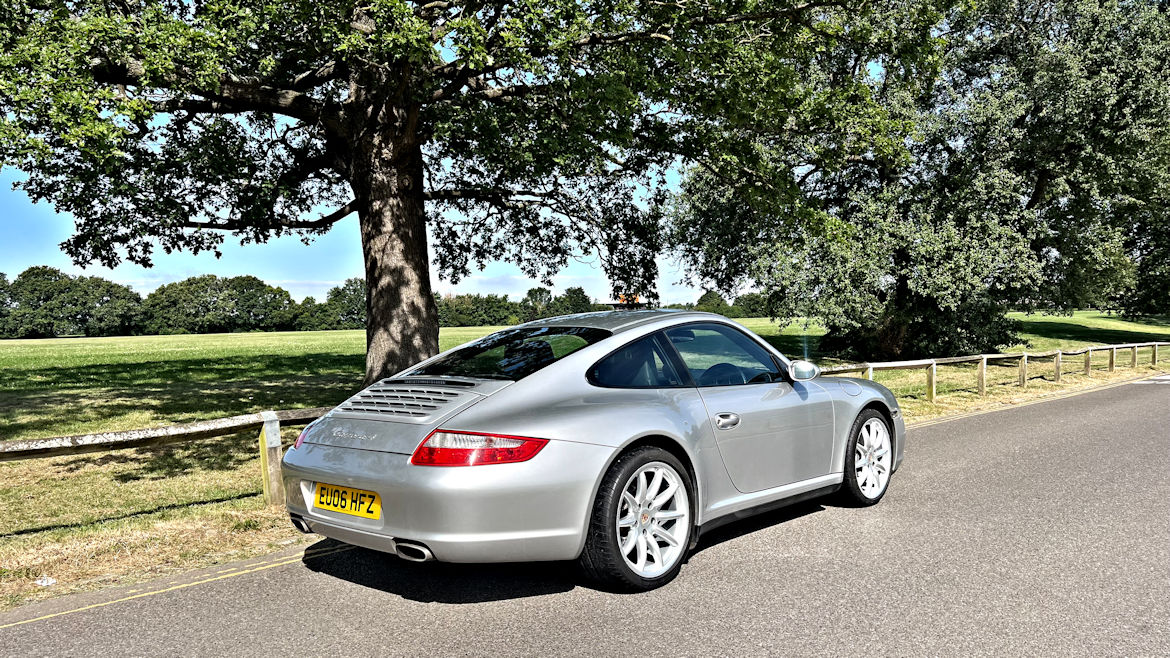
pixel 218 454
pixel 39 398
pixel 1078 332
pixel 130 515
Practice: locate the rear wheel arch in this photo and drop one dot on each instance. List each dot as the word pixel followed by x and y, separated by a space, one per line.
pixel 675 448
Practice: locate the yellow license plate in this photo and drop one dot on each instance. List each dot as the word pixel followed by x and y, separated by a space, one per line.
pixel 356 502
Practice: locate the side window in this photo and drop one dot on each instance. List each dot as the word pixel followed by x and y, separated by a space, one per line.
pixel 719 355
pixel 641 364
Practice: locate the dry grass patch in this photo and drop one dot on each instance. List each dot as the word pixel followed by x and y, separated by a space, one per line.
pixel 126 516
pixel 140 548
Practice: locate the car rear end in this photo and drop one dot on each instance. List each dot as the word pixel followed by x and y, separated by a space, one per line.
pixel 378 472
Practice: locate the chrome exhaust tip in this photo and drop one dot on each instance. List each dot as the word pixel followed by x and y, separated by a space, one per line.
pixel 300 524
pixel 412 552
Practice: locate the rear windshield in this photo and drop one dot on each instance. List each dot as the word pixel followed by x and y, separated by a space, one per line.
pixel 512 353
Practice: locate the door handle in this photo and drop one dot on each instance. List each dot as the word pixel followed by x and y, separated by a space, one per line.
pixel 726 421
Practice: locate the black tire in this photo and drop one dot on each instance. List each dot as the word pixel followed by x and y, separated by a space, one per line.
pixel 851 489
pixel 601 560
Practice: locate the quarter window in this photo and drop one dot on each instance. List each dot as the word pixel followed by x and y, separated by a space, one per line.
pixel 641 364
pixel 719 355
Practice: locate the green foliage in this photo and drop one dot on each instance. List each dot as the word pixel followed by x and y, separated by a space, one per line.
pixel 198 305
pixel 347 304
pixel 44 302
pixel 1151 289
pixel 573 300
pixel 473 310
pixel 211 304
pixel 1033 171
pixel 312 316
pixel 712 302
pixel 259 306
pixel 752 305
pixel 545 128
pixel 105 308
pixel 5 303
pixel 535 303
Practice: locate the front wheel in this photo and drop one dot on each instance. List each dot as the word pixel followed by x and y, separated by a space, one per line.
pixel 641 524
pixel 869 459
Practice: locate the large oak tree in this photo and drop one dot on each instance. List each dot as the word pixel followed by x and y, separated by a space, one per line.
pixel 524 131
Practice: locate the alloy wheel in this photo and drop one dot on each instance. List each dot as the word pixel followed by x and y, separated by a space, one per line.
pixel 872 458
pixel 653 520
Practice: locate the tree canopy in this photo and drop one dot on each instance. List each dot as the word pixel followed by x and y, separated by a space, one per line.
pixel 521 131
pixel 1033 173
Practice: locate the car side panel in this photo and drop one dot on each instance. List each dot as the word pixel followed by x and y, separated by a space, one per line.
pixel 785 432
pixel 579 411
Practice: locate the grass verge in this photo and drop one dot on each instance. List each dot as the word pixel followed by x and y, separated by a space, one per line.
pixel 126 516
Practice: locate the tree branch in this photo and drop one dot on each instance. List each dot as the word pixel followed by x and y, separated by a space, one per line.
pixel 496 197
pixel 320 223
pixel 234 94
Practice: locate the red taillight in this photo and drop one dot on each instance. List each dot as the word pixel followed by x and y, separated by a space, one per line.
pixel 446 448
pixel 300 439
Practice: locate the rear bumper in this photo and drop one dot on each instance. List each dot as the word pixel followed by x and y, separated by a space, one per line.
pixel 531 511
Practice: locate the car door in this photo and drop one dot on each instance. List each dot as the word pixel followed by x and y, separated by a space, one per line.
pixel 770 431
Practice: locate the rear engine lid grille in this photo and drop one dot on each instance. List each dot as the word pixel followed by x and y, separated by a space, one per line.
pixel 405 402
pixel 399 400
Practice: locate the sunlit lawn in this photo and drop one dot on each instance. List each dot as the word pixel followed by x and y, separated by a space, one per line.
pixel 74 385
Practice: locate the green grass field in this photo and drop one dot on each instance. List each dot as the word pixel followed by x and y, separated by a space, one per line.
pixel 112 518
pixel 75 385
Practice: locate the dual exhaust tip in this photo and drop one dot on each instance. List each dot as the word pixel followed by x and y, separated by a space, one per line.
pixel 410 551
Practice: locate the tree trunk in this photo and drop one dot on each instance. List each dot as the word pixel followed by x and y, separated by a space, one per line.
pixel 402 321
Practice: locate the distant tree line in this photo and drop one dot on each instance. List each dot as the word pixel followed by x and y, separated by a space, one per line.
pixel 43 302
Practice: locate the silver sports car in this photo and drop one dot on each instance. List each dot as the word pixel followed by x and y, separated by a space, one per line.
pixel 611 438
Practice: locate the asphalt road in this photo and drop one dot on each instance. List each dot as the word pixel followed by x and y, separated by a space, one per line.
pixel 1039 530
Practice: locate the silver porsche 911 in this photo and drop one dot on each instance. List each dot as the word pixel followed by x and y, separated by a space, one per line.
pixel 610 438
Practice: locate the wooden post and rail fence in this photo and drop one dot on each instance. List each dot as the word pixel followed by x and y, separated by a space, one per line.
pixel 1023 359
pixel 270 422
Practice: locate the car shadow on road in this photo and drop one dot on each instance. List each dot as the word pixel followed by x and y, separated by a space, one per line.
pixel 440 582
pixel 756 523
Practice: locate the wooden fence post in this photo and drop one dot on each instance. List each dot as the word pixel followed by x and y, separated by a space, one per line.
pixel 1056 367
pixel 1154 355
pixel 983 376
pixel 1024 370
pixel 270 459
pixel 1088 362
pixel 869 372
pixel 1133 357
pixel 1112 358
pixel 931 371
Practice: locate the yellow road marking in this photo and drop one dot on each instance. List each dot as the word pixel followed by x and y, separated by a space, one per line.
pixel 261 566
pixel 1047 398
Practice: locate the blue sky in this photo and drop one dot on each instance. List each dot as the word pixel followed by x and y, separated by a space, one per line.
pixel 30 234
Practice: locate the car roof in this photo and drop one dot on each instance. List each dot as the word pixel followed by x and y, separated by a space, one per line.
pixel 619 321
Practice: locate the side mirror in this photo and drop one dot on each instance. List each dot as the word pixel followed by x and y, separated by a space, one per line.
pixel 802 371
